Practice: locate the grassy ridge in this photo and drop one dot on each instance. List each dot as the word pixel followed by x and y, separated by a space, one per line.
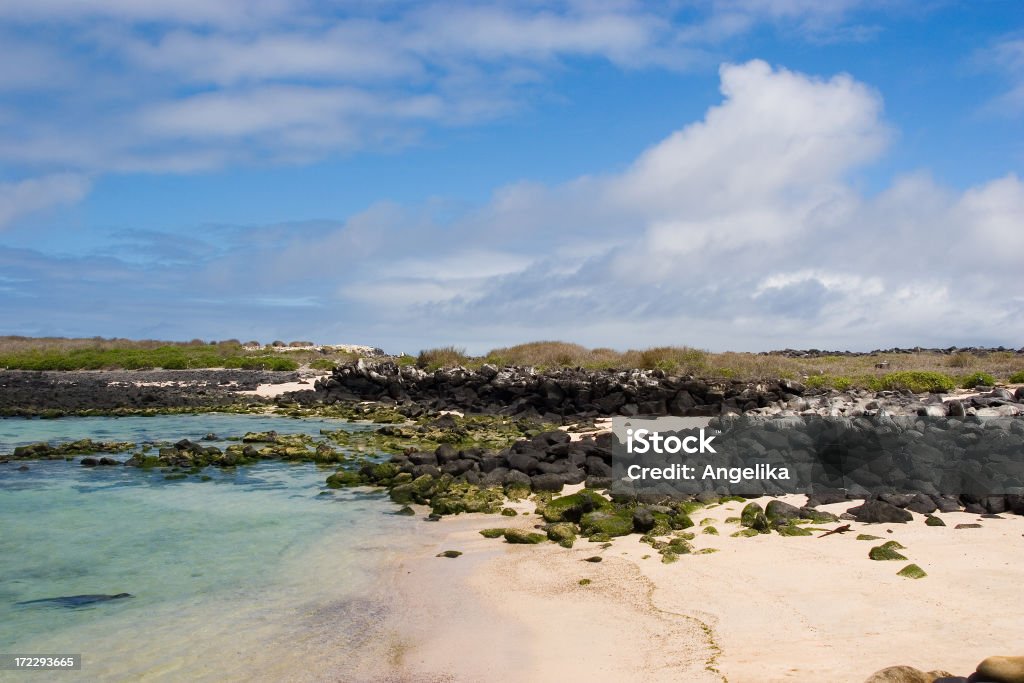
pixel 97 353
pixel 918 372
pixel 167 357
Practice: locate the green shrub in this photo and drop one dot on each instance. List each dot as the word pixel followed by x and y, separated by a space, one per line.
pixel 917 381
pixel 322 364
pixel 976 379
pixel 1017 377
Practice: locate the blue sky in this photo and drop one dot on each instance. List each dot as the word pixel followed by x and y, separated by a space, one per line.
pixel 730 174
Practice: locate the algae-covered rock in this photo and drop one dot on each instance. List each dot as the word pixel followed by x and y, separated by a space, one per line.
pixel 571 508
pixel 885 552
pixel 899 674
pixel 912 571
pixel 932 520
pixel 345 478
pixel 599 538
pixel 745 533
pixel 679 546
pixel 562 533
pixel 793 530
pixel 868 537
pixel 449 553
pixel 492 533
pixel 517 536
pixel 584 582
pixel 778 510
pixel 710 530
pixel 508 512
pixel 753 517
pixel 707 551
pixel 707 521
pixel 593 558
pixel 406 511
pixel 615 523
pixel 681 520
pixel 818 516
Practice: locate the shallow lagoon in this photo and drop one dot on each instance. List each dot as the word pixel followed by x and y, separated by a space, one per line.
pixel 251 573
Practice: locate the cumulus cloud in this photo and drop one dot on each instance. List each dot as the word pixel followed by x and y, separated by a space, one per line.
pixel 742 229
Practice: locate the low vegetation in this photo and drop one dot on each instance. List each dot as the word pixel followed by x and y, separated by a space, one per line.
pixel 918 372
pixel 57 353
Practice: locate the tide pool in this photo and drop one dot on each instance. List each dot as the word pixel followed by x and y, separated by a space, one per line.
pixel 259 573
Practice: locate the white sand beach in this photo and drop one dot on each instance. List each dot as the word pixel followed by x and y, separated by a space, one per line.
pixel 768 608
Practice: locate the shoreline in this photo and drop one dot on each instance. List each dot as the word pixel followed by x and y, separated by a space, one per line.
pixel 761 609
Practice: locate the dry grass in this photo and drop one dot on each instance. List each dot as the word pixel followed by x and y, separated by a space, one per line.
pixel 838 372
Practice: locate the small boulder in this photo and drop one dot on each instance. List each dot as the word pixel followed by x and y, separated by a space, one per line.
pixel 886 551
pixel 780 510
pixel 452 554
pixel 523 537
pixel 912 571
pixel 879 512
pixel 1003 669
pixel 643 520
pixel 899 674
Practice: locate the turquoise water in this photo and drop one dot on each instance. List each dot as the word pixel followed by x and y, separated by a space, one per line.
pixel 232 579
pixel 20 431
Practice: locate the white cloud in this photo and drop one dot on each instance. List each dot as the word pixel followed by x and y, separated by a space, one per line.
pixel 23 197
pixel 186 86
pixel 741 229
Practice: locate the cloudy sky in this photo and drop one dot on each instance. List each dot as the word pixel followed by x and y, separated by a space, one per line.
pixel 728 174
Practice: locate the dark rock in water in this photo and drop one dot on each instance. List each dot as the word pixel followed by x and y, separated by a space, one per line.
pixel 72 601
pixel 107 462
pixel 211 437
pixel 89 462
pixel 23 468
pixel 879 512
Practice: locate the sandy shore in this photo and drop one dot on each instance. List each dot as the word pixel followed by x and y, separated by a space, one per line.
pixel 304 383
pixel 768 608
